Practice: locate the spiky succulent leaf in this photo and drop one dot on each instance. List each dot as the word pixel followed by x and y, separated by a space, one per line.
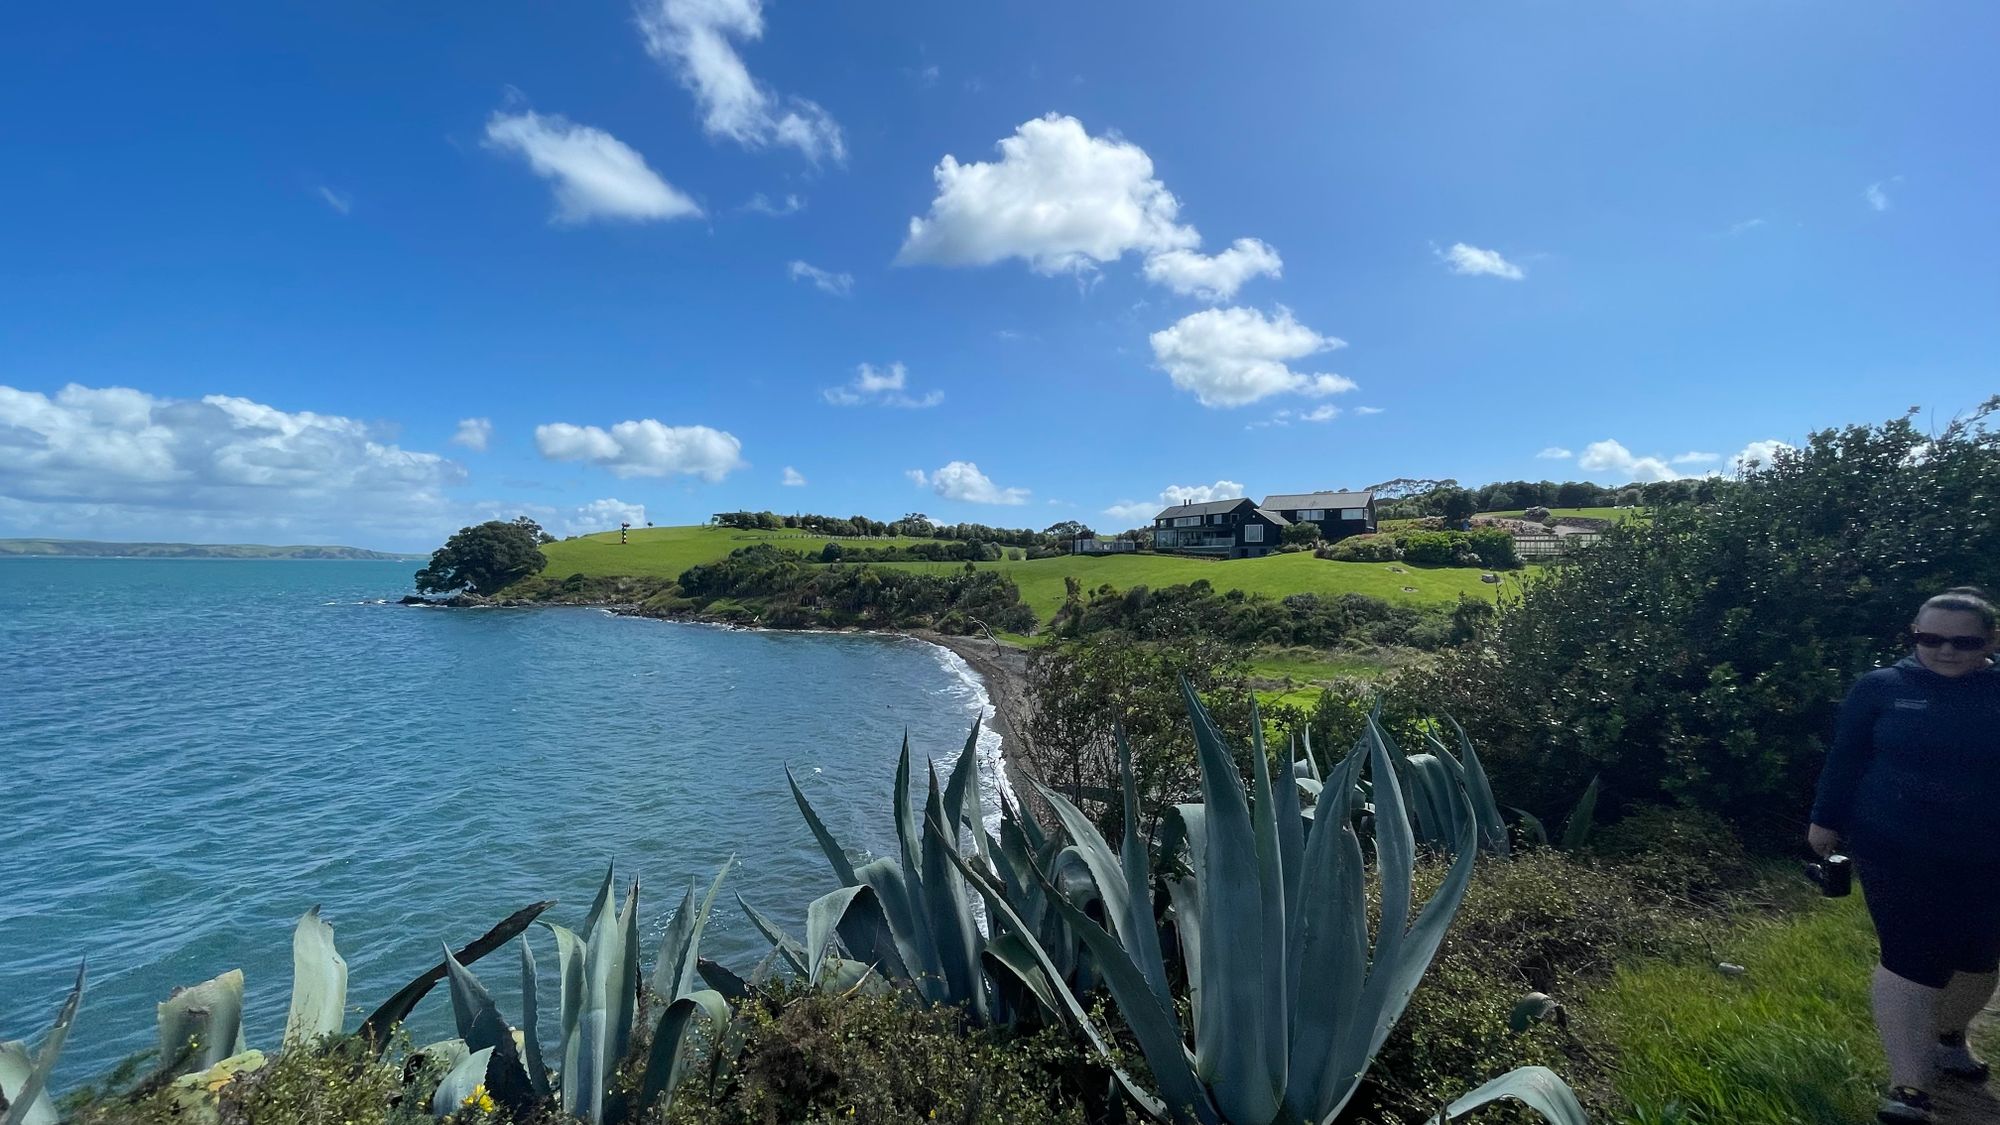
pixel 1492 826
pixel 949 905
pixel 375 1029
pixel 1536 1087
pixel 722 979
pixel 835 854
pixel 1576 833
pixel 319 981
pixel 202 1025
pixel 25 1081
pixel 680 950
pixel 460 1083
pixel 668 1058
pixel 482 1027
pixel 782 943
pixel 531 1036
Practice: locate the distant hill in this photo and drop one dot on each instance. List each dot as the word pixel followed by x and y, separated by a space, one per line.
pixel 87 549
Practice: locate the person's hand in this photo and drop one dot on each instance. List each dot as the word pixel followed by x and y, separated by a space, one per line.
pixel 1823 841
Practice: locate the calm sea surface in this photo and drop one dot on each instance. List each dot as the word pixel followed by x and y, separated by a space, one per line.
pixel 194 752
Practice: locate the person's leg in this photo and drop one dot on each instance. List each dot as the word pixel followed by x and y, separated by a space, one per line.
pixel 1906 1016
pixel 1963 999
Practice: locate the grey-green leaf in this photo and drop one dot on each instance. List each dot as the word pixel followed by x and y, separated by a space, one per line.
pixel 25 1082
pixel 202 1025
pixel 319 981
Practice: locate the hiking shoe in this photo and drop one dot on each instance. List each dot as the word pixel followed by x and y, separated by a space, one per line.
pixel 1905 1105
pixel 1955 1059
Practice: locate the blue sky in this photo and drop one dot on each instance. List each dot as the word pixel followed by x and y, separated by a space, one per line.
pixel 364 273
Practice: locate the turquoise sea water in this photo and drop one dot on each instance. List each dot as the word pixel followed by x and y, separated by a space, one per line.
pixel 194 752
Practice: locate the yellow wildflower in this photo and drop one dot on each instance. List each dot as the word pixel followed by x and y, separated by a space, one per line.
pixel 479 1099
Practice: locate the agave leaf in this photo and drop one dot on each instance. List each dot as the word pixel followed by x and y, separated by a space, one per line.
pixel 572 957
pixel 1531 826
pixel 1331 939
pixel 24 1082
pixel 721 979
pixel 319 981
pixel 1187 830
pixel 855 915
pixel 949 905
pixel 1492 827
pixel 1127 900
pixel 1576 832
pixel 1271 879
pixel 781 942
pixel 621 1002
pixel 202 1025
pixel 1536 1087
pixel 481 1026
pixel 397 1008
pixel 835 854
pixel 680 949
pixel 459 1083
pixel 597 905
pixel 531 1037
pixel 1007 952
pixel 1311 760
pixel 823 919
pixel 1232 1050
pixel 1073 1008
pixel 670 1036
pixel 906 820
pixel 962 799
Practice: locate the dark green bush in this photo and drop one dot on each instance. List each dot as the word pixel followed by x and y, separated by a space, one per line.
pixel 1364 548
pixel 810 1057
pixel 1691 853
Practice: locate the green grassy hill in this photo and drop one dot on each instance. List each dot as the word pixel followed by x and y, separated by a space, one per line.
pixel 664 552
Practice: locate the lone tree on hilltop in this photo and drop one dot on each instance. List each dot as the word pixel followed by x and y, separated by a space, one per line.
pixel 485 557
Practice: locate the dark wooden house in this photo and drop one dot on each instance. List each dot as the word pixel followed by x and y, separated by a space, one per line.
pixel 1338 514
pixel 1224 529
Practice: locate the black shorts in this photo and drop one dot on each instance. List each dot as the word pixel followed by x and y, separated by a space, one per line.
pixel 1933 919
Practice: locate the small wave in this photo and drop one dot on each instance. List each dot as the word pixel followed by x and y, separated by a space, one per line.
pixel 994 786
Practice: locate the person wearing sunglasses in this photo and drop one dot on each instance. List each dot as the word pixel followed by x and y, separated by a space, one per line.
pixel 1910 789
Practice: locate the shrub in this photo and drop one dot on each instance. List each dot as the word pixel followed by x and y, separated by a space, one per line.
pixel 1363 548
pixel 1536 514
pixel 1431 548
pixel 1301 534
pixel 1493 547
pixel 813 1057
pixel 1686 852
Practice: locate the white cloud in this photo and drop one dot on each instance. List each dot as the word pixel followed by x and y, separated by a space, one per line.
pixel 1319 414
pixel 1058 198
pixel 1368 410
pixel 1555 453
pixel 595 175
pixel 1136 511
pixel 1234 356
pixel 1610 457
pixel 601 515
pixel 1744 227
pixel 793 478
pixel 929 75
pixel 473 433
pixel 1474 262
pixel 1695 458
pixel 763 205
pixel 962 480
pixel 881 386
pixel 645 448
pixel 106 460
pixel 694 38
pixel 1217 278
pixel 1287 417
pixel 1877 193
pixel 1761 453
pixel 838 284
pixel 340 203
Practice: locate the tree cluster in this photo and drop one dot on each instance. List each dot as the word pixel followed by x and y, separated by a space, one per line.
pixel 914 525
pixel 782 589
pixel 485 558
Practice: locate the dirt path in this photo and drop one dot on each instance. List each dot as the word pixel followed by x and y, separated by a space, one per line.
pixel 1959 1104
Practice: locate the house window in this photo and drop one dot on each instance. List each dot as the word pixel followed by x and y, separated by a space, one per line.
pixel 1354 513
pixel 1187 521
pixel 1310 515
pixel 1253 533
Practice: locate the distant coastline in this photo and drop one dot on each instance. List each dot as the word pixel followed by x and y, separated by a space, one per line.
pixel 92 549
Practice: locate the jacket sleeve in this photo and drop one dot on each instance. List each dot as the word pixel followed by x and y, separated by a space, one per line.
pixel 1853 748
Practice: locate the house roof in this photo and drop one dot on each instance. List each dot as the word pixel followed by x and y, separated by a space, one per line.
pixel 1295 501
pixel 1274 517
pixel 1208 508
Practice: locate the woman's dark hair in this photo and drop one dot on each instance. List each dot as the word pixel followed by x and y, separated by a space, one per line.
pixel 1966 599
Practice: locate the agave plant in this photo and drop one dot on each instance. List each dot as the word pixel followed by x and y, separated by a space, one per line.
pixel 24 1078
pixel 1289 1000
pixel 1576 830
pixel 912 918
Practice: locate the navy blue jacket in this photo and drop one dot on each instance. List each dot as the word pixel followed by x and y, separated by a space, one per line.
pixel 1915 766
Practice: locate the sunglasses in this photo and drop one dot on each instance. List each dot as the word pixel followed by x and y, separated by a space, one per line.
pixel 1939 640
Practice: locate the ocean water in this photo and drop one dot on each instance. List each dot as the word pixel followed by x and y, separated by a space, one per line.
pixel 192 753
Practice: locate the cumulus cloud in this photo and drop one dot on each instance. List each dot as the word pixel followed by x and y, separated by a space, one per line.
pixel 644 448
pixel 1138 511
pixel 602 515
pixel 114 457
pixel 1234 356
pixel 793 478
pixel 1474 262
pixel 1286 417
pixel 1555 453
pixel 962 480
pixel 473 433
pixel 695 38
pixel 1611 457
pixel 1695 458
pixel 1744 227
pixel 1759 454
pixel 595 175
pixel 1058 198
pixel 341 204
pixel 838 284
pixel 1213 278
pixel 881 386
